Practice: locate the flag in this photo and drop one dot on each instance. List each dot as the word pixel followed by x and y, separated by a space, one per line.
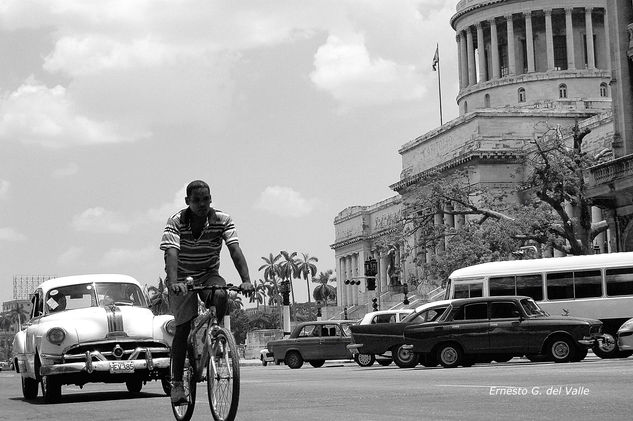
pixel 436 58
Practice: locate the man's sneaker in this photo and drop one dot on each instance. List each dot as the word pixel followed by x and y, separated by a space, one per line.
pixel 178 396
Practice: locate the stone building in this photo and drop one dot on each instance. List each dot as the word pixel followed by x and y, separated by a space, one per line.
pixel 521 63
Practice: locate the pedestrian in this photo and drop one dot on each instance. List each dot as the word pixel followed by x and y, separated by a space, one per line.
pixel 192 241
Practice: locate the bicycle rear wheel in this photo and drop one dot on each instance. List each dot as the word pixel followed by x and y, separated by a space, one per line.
pixel 184 412
pixel 223 376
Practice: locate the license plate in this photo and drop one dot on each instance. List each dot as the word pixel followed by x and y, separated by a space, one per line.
pixel 121 367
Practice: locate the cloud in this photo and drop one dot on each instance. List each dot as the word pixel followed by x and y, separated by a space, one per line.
pixel 70 256
pixel 67 171
pixel 119 256
pixel 101 221
pixel 4 189
pixel 47 116
pixel 345 70
pixel 284 201
pixel 11 235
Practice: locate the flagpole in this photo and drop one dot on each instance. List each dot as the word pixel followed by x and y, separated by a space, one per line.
pixel 439 87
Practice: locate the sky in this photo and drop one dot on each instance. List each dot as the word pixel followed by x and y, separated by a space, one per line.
pixel 290 110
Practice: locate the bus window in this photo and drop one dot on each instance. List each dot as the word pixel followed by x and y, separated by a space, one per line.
pixel 619 281
pixel 588 284
pixel 468 290
pixel 502 285
pixel 530 285
pixel 560 286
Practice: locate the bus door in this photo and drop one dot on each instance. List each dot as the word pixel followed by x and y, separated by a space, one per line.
pixel 468 289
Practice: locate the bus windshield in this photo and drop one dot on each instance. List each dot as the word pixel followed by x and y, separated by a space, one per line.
pixel 531 308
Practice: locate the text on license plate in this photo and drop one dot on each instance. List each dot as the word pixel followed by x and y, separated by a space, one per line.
pixel 121 367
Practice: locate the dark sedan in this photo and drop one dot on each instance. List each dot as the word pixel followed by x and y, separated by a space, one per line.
pixel 386 339
pixel 499 328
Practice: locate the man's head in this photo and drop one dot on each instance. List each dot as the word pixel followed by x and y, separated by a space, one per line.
pixel 198 197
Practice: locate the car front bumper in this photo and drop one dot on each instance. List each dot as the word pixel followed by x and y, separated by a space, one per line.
pixel 267 356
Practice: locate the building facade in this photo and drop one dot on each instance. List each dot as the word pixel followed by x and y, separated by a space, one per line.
pixel 521 63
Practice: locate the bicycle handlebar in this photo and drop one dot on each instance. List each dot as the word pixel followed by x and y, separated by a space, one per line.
pixel 192 287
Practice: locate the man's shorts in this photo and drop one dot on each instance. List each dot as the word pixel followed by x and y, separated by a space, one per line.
pixel 185 307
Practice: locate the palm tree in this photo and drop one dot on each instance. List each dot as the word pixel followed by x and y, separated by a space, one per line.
pixel 272 290
pixel 271 268
pixel 18 315
pixel 288 269
pixel 234 302
pixel 324 292
pixel 259 295
pixel 307 269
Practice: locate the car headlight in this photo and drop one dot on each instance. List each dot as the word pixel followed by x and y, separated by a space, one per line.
pixel 170 327
pixel 56 335
pixel 628 325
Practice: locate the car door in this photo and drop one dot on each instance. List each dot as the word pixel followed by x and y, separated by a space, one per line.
pixel 308 342
pixel 469 327
pixel 507 332
pixel 333 343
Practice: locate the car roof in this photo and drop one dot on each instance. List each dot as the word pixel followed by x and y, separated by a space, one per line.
pixel 400 310
pixel 82 279
pixel 325 322
pixel 461 301
pixel 431 304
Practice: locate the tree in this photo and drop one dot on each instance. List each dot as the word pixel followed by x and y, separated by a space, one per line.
pixel 288 269
pixel 18 315
pixel 271 267
pixel 307 269
pixel 158 298
pixel 324 292
pixel 259 295
pixel 5 321
pixel 234 302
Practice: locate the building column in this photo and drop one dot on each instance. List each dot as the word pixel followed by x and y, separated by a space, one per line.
pixel 481 50
pixel 464 55
pixel 449 220
pixel 340 281
pixel 383 272
pixel 511 53
pixel 355 275
pixel 494 46
pixel 460 60
pixel 549 39
pixel 601 239
pixel 591 58
pixel 569 32
pixel 438 219
pixel 529 41
pixel 607 31
pixel 350 288
pixel 472 75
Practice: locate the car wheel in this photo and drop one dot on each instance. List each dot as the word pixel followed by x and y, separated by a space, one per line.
pixel 317 363
pixel 29 387
pixel 404 358
pixel 166 386
pixel 449 355
pixel 293 360
pixel 608 348
pixel 383 362
pixel 561 349
pixel 264 363
pixel 428 360
pixel 134 384
pixel 580 355
pixel 364 360
pixel 51 389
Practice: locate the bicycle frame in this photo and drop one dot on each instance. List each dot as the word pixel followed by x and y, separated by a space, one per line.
pixel 207 320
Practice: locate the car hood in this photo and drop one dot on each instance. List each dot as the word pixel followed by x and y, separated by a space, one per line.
pixel 566 319
pixel 97 323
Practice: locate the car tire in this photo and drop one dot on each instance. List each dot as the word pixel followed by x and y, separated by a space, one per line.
pixel 264 363
pixel 317 363
pixel 365 360
pixel 29 388
pixel 134 384
pixel 608 348
pixel 384 362
pixel 404 358
pixel 51 389
pixel 293 360
pixel 561 349
pixel 450 355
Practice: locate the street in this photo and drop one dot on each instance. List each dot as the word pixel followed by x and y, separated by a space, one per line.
pixel 518 390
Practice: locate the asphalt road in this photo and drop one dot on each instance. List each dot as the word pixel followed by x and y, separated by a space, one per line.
pixel 517 390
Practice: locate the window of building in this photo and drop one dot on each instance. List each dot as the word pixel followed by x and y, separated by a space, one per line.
pixel 604 90
pixel 521 94
pixel 487 101
pixel 562 90
pixel 465 107
pixel 560 52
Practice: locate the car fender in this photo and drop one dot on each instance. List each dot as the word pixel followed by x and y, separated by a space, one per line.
pixel 555 334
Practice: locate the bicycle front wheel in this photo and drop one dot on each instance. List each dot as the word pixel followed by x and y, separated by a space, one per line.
pixel 223 376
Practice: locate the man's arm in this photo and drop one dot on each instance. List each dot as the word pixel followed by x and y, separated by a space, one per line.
pixel 171 267
pixel 240 264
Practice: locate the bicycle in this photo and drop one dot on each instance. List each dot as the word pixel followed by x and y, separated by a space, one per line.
pixel 211 347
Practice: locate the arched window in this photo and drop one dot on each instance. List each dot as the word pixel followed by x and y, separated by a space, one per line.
pixel 562 90
pixel 603 90
pixel 521 94
pixel 487 101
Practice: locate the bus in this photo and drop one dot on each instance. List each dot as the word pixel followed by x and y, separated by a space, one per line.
pixel 598 286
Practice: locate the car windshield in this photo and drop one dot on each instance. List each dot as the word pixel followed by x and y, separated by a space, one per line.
pixel 346 328
pixel 532 309
pixel 71 297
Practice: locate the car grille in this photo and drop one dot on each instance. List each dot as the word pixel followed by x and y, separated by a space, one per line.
pixel 595 330
pixel 116 350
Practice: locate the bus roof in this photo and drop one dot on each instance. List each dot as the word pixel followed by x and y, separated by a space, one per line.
pixel 514 267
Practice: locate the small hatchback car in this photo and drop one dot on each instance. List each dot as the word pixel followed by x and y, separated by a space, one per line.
pixel 92 328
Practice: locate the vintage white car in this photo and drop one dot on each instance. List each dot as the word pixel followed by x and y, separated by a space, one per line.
pixel 92 328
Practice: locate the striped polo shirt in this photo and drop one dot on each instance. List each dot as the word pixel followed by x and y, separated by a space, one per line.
pixel 202 255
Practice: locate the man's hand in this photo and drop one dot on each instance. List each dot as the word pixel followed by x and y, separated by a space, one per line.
pixel 247 288
pixel 178 288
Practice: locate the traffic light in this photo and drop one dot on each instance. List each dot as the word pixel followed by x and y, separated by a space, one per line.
pixel 374 303
pixel 371 284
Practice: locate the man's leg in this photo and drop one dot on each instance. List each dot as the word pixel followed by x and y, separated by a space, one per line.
pixel 179 350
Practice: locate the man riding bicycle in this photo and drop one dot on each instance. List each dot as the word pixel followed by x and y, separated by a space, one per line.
pixel 192 241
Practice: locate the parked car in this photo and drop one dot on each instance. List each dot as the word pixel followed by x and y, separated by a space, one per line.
pixel 385 316
pixel 383 342
pixel 92 328
pixel 312 342
pixel 499 328
pixel 6 365
pixel 625 336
